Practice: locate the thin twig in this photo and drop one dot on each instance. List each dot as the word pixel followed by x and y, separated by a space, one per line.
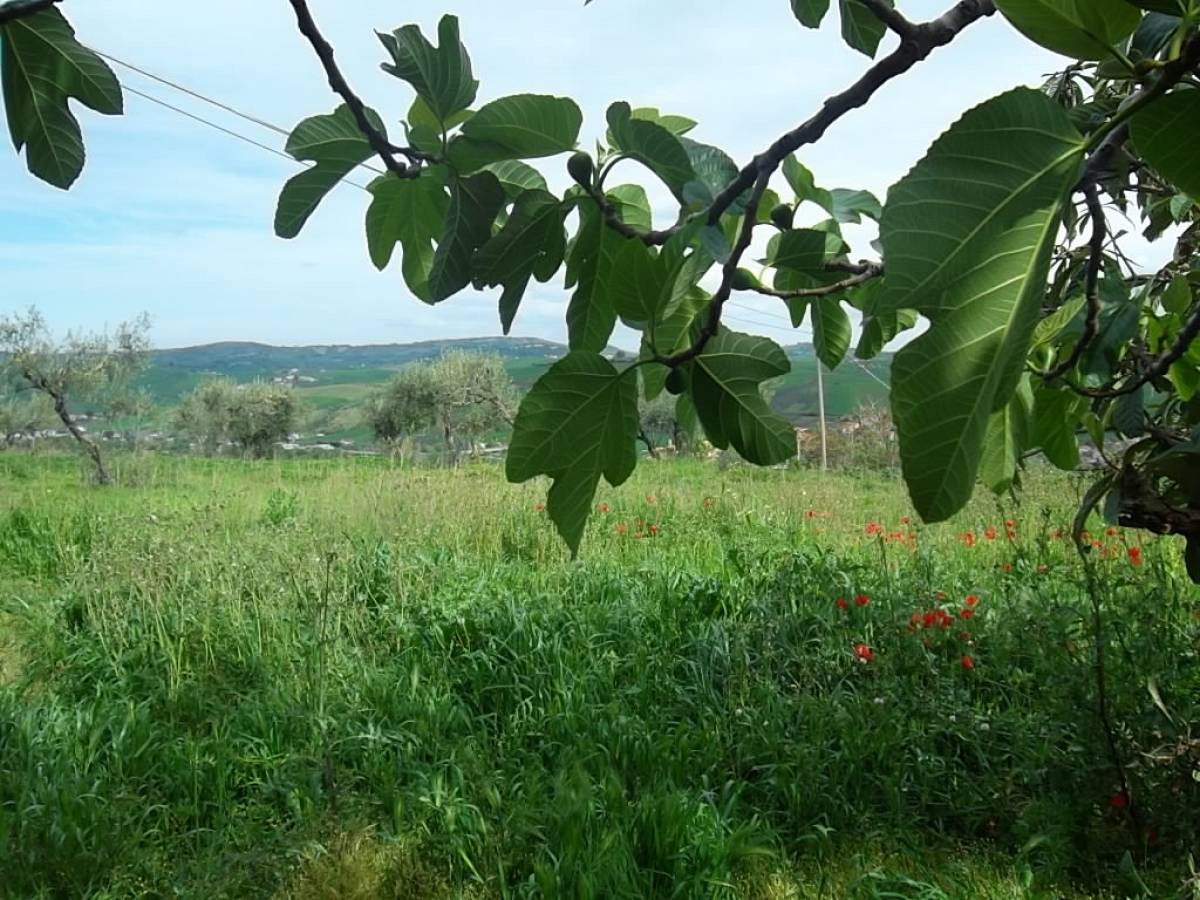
pixel 383 148
pixel 1095 266
pixel 18 9
pixel 872 271
pixel 1158 367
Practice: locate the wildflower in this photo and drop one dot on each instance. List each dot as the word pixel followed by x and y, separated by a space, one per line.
pixel 873 528
pixel 905 520
pixel 863 652
pixel 930 619
pixel 971 600
pixel 539 506
pixel 842 604
pixel 1135 556
pixel 1119 800
pixel 812 514
pixel 968 662
pixel 968 538
pixel 967 614
pixel 622 528
pixel 862 600
pixel 602 508
pixel 653 530
pixel 1111 532
pixel 990 533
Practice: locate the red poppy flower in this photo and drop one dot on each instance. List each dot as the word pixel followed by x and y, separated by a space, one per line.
pixel 929 619
pixel 862 600
pixel 967 614
pixel 812 514
pixel 1135 556
pixel 654 529
pixel 863 652
pixel 971 600
pixel 841 603
pixel 990 533
pixel 873 528
pixel 968 662
pixel 1009 523
pixel 1119 800
pixel 602 508
pixel 968 538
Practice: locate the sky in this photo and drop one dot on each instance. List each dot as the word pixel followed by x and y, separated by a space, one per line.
pixel 174 218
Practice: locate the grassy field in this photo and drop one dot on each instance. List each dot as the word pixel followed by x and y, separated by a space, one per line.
pixel 346 679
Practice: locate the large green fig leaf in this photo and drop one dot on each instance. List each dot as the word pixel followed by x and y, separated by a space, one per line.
pixel 475 202
pixel 653 145
pixel 579 421
pixel 726 386
pixel 1167 135
pixel 42 66
pixel 524 126
pixel 336 145
pixel 530 245
pixel 967 238
pixel 440 75
pixel 1082 29
pixel 409 212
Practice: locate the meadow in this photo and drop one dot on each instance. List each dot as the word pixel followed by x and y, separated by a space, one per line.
pixel 345 678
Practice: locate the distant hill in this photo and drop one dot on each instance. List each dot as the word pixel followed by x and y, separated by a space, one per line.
pixel 334 380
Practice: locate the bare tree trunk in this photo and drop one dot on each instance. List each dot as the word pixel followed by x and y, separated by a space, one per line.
pixel 89 446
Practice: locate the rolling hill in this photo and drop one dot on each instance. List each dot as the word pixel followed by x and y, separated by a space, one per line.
pixel 334 380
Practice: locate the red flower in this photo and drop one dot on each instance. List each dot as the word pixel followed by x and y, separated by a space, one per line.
pixel 1009 523
pixel 622 528
pixel 971 600
pixel 812 514
pixel 1135 556
pixel 905 520
pixel 863 652
pixel 968 662
pixel 873 528
pixel 930 618
pixel 862 600
pixel 654 529
pixel 968 538
pixel 990 533
pixel 841 603
pixel 1119 800
pixel 539 506
pixel 967 614
pixel 602 508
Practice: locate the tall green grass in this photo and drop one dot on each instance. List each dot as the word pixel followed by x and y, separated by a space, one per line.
pixel 352 679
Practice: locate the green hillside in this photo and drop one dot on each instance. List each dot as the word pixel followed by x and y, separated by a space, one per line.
pixel 334 381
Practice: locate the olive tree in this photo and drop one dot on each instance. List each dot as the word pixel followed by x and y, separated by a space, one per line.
pixel 21 413
pixel 463 395
pixel 1040 330
pixel 93 369
pixel 254 416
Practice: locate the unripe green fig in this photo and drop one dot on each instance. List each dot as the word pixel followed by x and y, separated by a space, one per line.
pixel 582 168
pixel 677 382
pixel 783 216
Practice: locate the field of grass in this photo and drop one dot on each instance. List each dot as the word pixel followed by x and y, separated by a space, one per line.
pixel 347 679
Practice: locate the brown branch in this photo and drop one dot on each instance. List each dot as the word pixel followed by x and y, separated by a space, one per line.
pixel 1158 366
pixel 1095 265
pixel 870 272
pixel 19 9
pixel 919 44
pixel 383 148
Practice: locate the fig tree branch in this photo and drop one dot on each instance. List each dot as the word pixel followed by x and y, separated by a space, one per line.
pixel 384 149
pixel 870 272
pixel 1095 265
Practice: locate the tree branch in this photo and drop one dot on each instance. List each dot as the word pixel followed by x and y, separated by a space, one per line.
pixel 1158 367
pixel 870 272
pixel 384 149
pixel 18 9
pixel 1095 265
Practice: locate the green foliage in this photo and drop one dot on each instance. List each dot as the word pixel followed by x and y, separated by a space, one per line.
pixel 254 416
pixel 995 185
pixel 408 212
pixel 440 75
pixel 42 66
pixel 1167 134
pixel 1083 29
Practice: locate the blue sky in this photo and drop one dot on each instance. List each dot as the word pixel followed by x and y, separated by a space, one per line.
pixel 175 219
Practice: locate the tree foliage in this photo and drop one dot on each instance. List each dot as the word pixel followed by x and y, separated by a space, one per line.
pixel 255 416
pixel 1003 237
pixel 93 369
